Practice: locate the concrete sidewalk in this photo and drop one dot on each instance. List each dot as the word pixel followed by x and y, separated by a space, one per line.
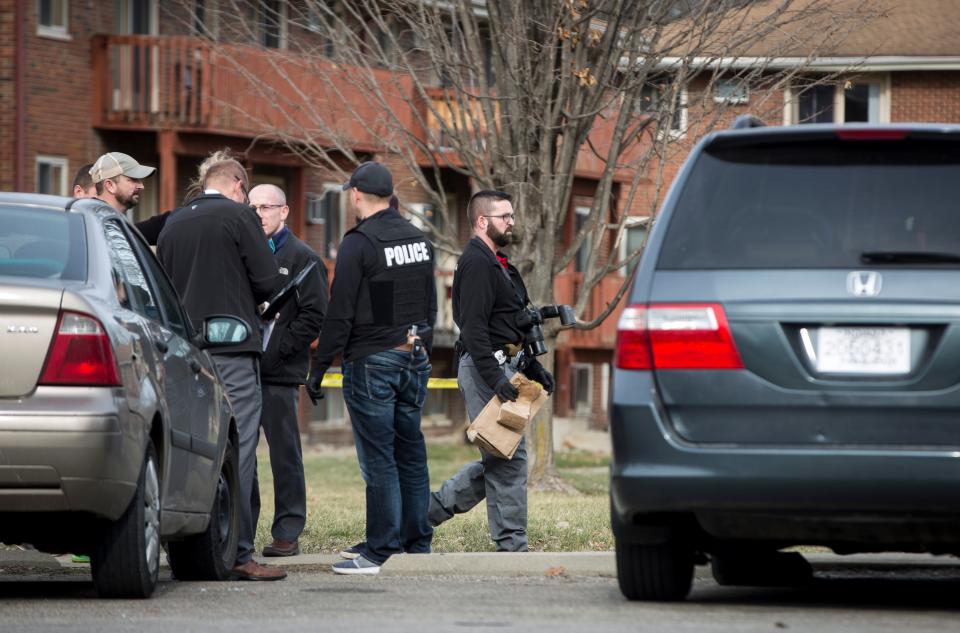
pixel 528 564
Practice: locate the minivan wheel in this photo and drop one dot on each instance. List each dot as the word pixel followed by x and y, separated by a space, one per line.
pixel 662 572
pixel 210 555
pixel 125 562
pixel 760 568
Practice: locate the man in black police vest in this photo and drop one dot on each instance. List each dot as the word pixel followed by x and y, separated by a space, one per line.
pixel 488 294
pixel 382 308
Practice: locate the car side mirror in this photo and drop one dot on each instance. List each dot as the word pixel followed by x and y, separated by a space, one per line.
pixel 222 330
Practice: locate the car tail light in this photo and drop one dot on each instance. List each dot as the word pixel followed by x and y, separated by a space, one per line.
pixel 676 336
pixel 80 354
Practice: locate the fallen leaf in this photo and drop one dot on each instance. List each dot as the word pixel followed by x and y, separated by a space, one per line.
pixel 556 572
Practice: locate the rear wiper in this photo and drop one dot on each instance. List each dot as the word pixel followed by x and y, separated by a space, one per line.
pixel 908 257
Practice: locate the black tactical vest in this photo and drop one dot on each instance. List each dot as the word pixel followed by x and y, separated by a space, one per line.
pixel 396 293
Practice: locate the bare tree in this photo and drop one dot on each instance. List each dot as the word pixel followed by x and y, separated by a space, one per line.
pixel 524 95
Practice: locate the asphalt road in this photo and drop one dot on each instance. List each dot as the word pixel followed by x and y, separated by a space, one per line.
pixel 908 598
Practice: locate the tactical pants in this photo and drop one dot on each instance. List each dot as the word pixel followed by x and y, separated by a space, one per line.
pixel 502 482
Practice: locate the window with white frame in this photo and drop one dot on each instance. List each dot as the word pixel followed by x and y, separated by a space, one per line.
pixel 426 218
pixel 272 23
pixel 581 213
pixel 53 18
pixel 655 101
pixel 635 232
pixel 731 90
pixel 52 175
pixel 327 210
pixel 860 100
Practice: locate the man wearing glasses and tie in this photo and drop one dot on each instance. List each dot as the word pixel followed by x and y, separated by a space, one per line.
pixel 488 294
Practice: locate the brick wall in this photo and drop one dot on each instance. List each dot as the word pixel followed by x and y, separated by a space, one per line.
pixel 8 96
pixel 58 85
pixel 925 97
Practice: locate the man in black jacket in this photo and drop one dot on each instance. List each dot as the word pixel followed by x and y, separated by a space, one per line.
pixel 216 254
pixel 488 295
pixel 382 286
pixel 283 368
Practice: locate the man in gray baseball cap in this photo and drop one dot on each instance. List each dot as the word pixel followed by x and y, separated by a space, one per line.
pixel 119 180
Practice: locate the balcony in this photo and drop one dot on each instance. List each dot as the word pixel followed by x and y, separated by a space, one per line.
pixel 184 83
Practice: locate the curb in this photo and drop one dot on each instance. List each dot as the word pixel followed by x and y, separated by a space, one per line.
pixel 503 564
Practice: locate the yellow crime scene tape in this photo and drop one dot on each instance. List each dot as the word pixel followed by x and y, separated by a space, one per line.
pixel 335 381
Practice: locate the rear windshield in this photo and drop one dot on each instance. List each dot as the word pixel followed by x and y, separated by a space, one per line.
pixel 821 204
pixel 42 244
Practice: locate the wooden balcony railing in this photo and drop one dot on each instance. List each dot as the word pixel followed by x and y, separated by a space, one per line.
pixel 146 81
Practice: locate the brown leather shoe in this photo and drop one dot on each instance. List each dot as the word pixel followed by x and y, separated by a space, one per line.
pixel 252 570
pixel 280 547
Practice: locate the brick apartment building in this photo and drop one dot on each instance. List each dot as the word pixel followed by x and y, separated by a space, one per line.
pixel 81 78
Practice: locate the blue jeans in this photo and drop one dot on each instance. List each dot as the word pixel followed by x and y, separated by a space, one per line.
pixel 384 393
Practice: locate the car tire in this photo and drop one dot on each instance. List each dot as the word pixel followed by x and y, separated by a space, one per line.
pixel 760 568
pixel 211 554
pixel 125 561
pixel 662 572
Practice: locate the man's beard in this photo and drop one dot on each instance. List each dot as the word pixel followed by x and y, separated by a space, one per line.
pixel 129 201
pixel 500 238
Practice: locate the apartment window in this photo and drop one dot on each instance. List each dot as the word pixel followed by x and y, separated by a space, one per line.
pixel 52 175
pixel 581 213
pixel 852 101
pixel 581 388
pixel 52 18
pixel 635 232
pixel 327 210
pixel 731 91
pixel 427 219
pixel 272 23
pixel 655 101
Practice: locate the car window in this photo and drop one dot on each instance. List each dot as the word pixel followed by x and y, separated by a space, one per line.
pixel 816 204
pixel 165 293
pixel 42 243
pixel 141 297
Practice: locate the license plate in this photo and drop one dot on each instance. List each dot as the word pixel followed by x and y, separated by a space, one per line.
pixel 863 350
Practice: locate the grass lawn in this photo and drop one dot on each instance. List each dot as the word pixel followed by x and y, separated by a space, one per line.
pixel 557 521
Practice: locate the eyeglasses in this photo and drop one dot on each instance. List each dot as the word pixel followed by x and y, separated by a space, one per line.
pixel 261 207
pixel 508 218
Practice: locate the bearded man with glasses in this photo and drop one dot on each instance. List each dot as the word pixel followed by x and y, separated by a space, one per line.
pixel 488 294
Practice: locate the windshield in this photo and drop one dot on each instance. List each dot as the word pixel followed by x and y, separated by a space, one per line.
pixel 819 204
pixel 41 243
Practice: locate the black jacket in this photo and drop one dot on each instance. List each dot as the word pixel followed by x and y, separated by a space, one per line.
pixel 356 258
pixel 287 357
pixel 216 254
pixel 486 301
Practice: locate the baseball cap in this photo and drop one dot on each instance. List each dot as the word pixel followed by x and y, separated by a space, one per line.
pixel 114 164
pixel 371 177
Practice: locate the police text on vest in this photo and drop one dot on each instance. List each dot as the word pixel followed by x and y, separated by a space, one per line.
pixel 406 254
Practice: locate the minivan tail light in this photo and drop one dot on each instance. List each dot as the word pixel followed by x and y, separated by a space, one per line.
pixel 80 354
pixel 676 336
pixel 633 343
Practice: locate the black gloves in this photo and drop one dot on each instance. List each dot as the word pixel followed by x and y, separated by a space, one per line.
pixel 535 371
pixel 506 391
pixel 313 387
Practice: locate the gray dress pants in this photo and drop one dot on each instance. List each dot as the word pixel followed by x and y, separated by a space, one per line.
pixel 240 374
pixel 282 431
pixel 502 482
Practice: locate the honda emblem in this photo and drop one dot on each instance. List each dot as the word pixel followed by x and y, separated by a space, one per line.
pixel 864 283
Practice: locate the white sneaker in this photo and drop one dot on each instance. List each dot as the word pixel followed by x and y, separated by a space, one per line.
pixel 358 565
pixel 351 552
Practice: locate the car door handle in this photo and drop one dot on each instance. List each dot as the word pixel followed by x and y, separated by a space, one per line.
pixel 195 366
pixel 161 346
